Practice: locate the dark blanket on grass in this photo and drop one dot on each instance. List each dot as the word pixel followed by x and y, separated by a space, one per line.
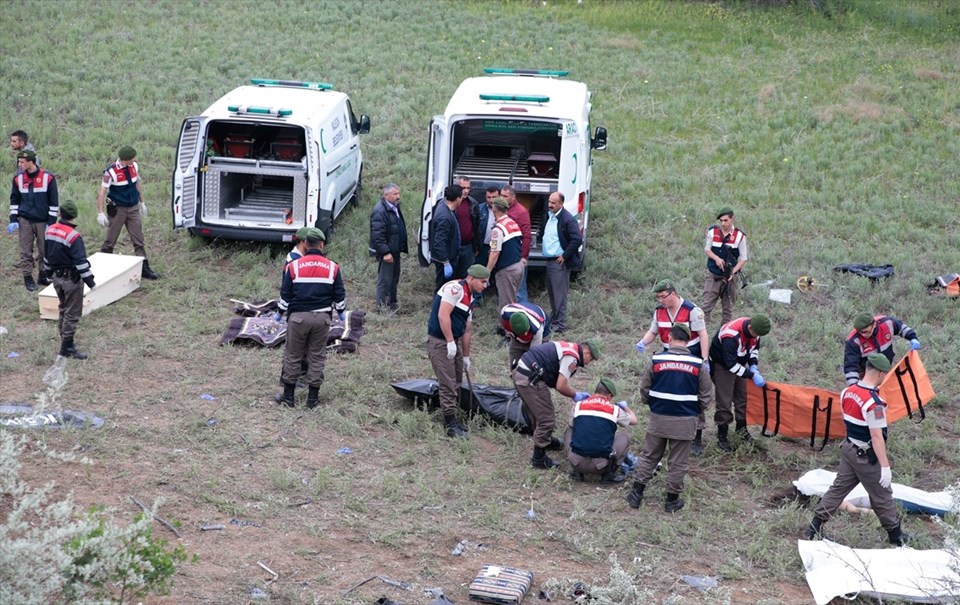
pixel 256 325
pixel 501 404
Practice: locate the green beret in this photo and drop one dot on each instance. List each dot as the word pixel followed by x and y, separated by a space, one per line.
pixel 862 321
pixel 683 328
pixel 725 211
pixel 302 233
pixel 760 324
pixel 127 153
pixel 594 348
pixel 315 235
pixel 478 271
pixel 664 285
pixel 501 203
pixel 27 154
pixel 608 384
pixel 519 323
pixel 68 209
pixel 879 361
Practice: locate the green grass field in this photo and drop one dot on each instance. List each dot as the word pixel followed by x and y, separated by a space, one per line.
pixel 834 136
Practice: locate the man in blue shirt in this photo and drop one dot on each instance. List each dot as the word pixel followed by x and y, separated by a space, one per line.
pixel 561 247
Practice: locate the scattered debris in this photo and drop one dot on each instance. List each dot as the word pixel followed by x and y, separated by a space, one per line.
pixel 269 571
pixel 344 451
pixel 156 517
pixel 24 417
pixel 781 295
pixel 211 527
pixel 544 596
pixel 385 580
pixel 12 355
pixel 946 285
pixel 244 523
pixel 304 503
pixel 805 283
pixel 257 594
pixel 207 397
pixel 701 583
pixel 441 600
pixel 386 601
pixel 212 422
pixel 874 272
pixel 459 548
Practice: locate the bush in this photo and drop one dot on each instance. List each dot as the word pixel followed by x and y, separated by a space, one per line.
pixel 49 553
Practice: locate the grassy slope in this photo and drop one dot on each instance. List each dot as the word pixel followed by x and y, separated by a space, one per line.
pixel 835 140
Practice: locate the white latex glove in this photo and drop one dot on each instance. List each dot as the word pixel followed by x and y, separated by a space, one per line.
pixel 466 364
pixel 451 349
pixel 886 477
pixel 102 219
pixel 143 209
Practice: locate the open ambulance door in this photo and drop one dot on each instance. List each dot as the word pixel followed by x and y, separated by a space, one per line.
pixel 186 175
pixel 438 177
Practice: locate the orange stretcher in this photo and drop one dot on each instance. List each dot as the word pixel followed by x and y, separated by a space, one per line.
pixel 809 412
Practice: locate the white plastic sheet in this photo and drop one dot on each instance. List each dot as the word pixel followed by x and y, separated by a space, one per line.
pixel 818 481
pixel 903 574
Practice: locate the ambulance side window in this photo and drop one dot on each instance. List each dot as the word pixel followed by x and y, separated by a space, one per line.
pixel 352 118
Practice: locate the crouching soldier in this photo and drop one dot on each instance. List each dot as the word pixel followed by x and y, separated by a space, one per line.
pixel 677 387
pixel 65 261
pixel 594 446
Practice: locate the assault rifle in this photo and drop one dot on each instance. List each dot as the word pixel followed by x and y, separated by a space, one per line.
pixel 727 276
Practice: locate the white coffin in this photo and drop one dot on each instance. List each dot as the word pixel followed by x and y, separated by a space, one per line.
pixel 116 275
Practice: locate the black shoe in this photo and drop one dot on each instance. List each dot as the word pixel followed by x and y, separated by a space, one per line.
pixel 555 445
pixel 287 398
pixel 454 428
pixel 147 272
pixel 541 461
pixel 722 442
pixel 814 531
pixel 29 284
pixel 635 497
pixel 696 448
pixel 68 349
pixel 313 397
pixel 43 279
pixel 898 537
pixel 673 503
pixel 617 476
pixel 743 433
pixel 575 476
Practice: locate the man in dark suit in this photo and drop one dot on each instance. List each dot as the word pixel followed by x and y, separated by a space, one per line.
pixel 561 247
pixel 445 235
pixel 388 239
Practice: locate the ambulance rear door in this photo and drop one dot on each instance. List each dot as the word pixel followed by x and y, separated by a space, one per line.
pixel 186 173
pixel 438 177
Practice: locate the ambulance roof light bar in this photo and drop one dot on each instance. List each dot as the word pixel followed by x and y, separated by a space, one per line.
pixel 260 111
pixel 516 98
pixel 548 73
pixel 294 83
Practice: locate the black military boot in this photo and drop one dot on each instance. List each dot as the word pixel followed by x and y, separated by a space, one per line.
pixel 313 397
pixel 722 441
pixel 43 279
pixel 898 537
pixel 453 426
pixel 673 503
pixel 613 473
pixel 635 497
pixel 742 431
pixel 697 448
pixel 540 459
pixel 68 349
pixel 576 476
pixel 29 284
pixel 147 272
pixel 555 445
pixel 815 529
pixel 287 399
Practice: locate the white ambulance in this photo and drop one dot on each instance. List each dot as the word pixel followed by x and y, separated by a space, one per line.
pixel 521 127
pixel 267 159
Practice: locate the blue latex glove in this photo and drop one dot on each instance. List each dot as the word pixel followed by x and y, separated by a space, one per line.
pixel 580 396
pixel 622 405
pixel 753 368
pixel 758 379
pixel 447 270
pixel 12 227
pixel 706 365
pixel 641 347
pixel 342 315
pixel 277 317
pixel 914 345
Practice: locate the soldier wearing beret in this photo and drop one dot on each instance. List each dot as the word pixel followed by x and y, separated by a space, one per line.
pixel 312 290
pixel 65 260
pixel 449 337
pixel 34 203
pixel 676 386
pixel 863 454
pixel 734 355
pixel 505 260
pixel 726 248
pixel 526 325
pixel 873 334
pixel 594 445
pixel 122 191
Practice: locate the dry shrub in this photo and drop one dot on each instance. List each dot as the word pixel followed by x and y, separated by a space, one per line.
pixel 922 73
pixel 767 92
pixel 857 111
pixel 625 42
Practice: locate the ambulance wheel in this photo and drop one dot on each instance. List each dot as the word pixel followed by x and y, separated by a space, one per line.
pixel 575 275
pixel 325 224
pixel 355 200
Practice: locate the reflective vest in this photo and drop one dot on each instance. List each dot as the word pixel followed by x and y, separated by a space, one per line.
pixel 676 384
pixel 511 240
pixel 594 427
pixel 37 200
pixel 461 309
pixel 664 323
pixel 734 349
pixel 547 356
pixel 535 315
pixel 312 283
pixel 857 401
pixel 858 348
pixel 724 246
pixel 123 190
pixel 63 249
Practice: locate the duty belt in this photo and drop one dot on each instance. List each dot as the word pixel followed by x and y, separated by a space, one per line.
pixel 867 453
